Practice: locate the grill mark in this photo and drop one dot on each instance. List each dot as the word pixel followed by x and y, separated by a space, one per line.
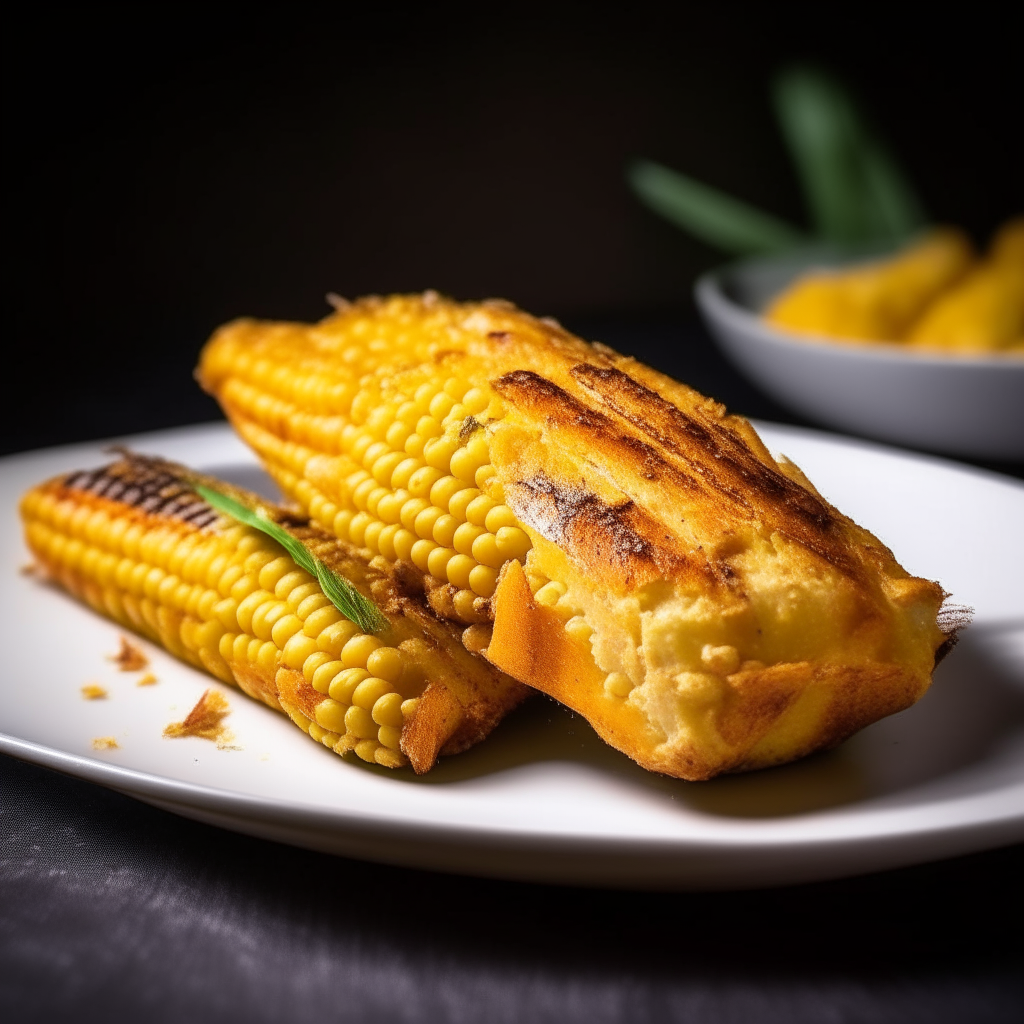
pixel 802 516
pixel 136 484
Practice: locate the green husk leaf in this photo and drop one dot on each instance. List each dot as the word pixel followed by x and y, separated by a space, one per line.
pixel 338 590
pixel 854 187
pixel 712 216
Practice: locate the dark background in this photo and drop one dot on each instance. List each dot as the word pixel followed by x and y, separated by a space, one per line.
pixel 170 170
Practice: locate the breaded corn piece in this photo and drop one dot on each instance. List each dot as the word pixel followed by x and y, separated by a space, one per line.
pixel 607 535
pixel 875 301
pixel 135 541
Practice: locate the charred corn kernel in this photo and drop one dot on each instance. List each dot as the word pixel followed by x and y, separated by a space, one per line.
pixel 359 722
pixel 344 684
pixel 358 649
pixel 618 685
pixel 387 711
pixel 330 715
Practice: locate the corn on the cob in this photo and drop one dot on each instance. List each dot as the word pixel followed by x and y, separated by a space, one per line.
pixel 876 301
pixel 610 536
pixel 136 542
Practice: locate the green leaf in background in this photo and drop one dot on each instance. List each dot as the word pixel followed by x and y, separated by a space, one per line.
pixel 854 188
pixel 708 214
pixel 358 609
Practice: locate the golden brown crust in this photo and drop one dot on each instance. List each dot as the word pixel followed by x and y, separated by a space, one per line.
pixel 745 620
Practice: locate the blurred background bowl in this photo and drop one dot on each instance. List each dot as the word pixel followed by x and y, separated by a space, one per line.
pixel 959 405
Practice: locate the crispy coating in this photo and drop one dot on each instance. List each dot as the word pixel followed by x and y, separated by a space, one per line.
pixel 725 616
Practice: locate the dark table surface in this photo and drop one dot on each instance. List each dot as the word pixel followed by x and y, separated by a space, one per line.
pixel 112 910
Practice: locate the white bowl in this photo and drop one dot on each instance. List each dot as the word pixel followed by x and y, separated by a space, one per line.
pixel 962 405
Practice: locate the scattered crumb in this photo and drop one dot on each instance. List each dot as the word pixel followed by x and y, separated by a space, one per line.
pixel 93 691
pixel 205 720
pixel 32 570
pixel 129 658
pixel 148 680
pixel 105 743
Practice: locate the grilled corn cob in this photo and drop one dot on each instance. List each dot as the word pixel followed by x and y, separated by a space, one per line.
pixel 607 535
pixel 136 542
pixel 876 301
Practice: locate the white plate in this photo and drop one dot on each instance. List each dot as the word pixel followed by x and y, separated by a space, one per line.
pixel 543 798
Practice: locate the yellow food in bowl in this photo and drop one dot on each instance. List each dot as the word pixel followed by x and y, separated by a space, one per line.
pixel 933 294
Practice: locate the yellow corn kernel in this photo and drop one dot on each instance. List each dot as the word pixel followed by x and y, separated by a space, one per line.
pixel 297 650
pixel 444 489
pixel 344 684
pixel 578 628
pixel 324 673
pixel 437 561
pixel 512 542
pixel 420 554
pixel 386 662
pixel 316 661
pixel 458 568
pixel 618 685
pixel 463 538
pixel 485 550
pixel 550 593
pixel 460 502
pixel 334 637
pixel 444 530
pixel 359 722
pixel 358 649
pixel 390 737
pixel 438 453
pixel 366 750
pixel 387 711
pixel 369 691
pixel 482 579
pixel 330 715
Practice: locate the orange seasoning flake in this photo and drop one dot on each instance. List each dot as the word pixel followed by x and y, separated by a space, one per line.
pixel 129 658
pixel 205 720
pixel 93 691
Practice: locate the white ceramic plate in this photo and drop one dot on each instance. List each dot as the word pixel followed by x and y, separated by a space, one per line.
pixel 543 798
